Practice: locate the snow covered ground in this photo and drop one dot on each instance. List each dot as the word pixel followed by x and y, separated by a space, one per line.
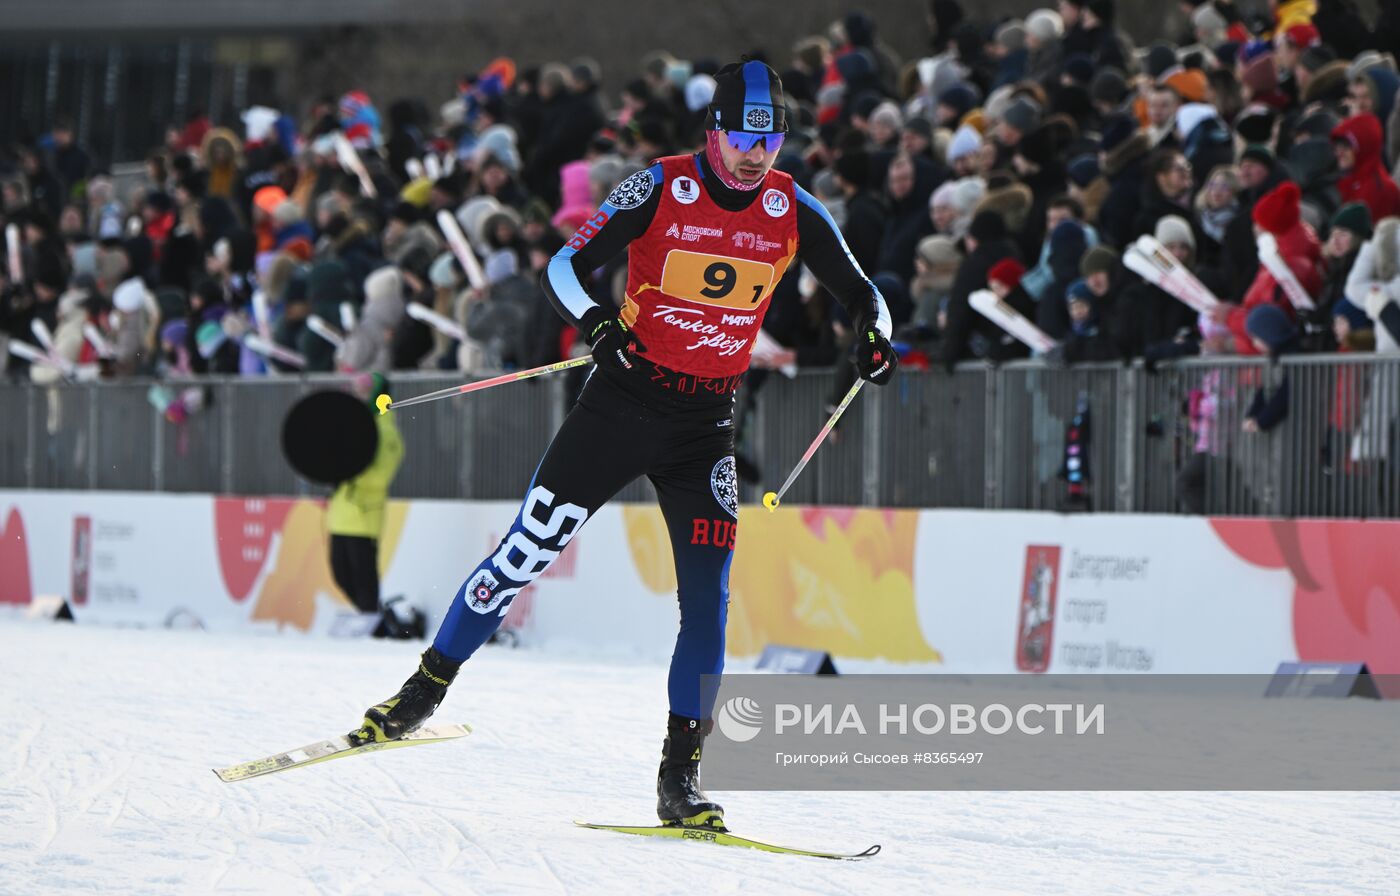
pixel 105 785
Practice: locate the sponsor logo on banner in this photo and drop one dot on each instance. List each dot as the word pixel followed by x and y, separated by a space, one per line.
pixel 82 559
pixel 685 190
pixel 1036 624
pixel 775 203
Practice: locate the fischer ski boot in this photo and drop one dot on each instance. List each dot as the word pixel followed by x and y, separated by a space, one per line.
pixel 412 705
pixel 679 799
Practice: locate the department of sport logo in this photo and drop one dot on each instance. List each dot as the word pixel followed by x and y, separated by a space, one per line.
pixel 483 592
pixel 685 189
pixel 758 119
pixel 633 191
pixel 740 719
pixel 725 486
pixel 775 203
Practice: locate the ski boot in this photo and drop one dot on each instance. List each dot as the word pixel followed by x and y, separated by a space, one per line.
pixel 679 799
pixel 412 705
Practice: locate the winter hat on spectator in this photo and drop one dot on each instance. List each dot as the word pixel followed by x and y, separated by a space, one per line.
pixel 576 196
pixel 938 251
pixel 1319 124
pixel 1161 58
pixel 1008 271
pixel 266 199
pixel 854 168
pixel 1259 74
pixel 1038 147
pixel 1193 115
pixel 699 92
pixel 1083 170
pixel 918 124
pixel 1367 61
pixel 1257 152
pixel 384 297
pixel 1023 115
pixel 1079 291
pixel 1117 131
pixel 1080 68
pixel 1270 324
pixel 1109 87
pixel 1045 25
pixel 965 142
pixel 997 101
pixel 1190 84
pixel 1012 35
pixel 967 192
pixel 1302 35
pixel 1098 260
pixel 960 98
pixel 1355 316
pixel 943 196
pixel 499 141
pixel 499 265
pixel 129 296
pixel 1255 123
pixel 888 114
pixel 287 213
pixel 1315 57
pixel 1174 229
pixel 987 226
pixel 1354 216
pixel 1277 210
pixel 1209 25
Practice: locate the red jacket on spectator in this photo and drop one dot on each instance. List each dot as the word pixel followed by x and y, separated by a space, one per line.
pixel 1367 181
pixel 1277 212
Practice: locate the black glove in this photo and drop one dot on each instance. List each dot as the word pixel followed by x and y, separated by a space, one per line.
pixel 875 357
pixel 614 344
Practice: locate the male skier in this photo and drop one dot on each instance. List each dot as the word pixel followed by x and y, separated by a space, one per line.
pixel 708 235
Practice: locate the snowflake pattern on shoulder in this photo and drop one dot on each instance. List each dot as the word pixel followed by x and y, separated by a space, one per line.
pixel 633 191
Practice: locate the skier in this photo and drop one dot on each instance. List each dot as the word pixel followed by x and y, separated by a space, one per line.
pixel 709 235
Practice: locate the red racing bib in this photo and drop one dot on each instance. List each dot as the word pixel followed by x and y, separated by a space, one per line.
pixel 700 278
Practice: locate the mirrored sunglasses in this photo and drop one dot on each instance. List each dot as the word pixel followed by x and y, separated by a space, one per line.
pixel 744 141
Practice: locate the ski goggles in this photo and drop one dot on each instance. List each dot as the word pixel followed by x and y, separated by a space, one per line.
pixel 744 141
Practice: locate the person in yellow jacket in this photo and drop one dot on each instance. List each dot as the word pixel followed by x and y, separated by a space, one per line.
pixel 355 517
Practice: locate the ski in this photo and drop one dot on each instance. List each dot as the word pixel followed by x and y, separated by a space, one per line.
pixel 724 838
pixel 335 748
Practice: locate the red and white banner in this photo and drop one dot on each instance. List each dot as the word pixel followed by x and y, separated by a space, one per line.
pixel 936 590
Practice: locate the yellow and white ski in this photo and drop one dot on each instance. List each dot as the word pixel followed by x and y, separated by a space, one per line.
pixel 723 838
pixel 335 748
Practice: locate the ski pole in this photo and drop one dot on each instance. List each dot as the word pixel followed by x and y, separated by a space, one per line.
pixel 771 499
pixel 386 404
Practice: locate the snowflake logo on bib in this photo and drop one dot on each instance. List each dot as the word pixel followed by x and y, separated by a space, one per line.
pixel 725 486
pixel 758 119
pixel 633 191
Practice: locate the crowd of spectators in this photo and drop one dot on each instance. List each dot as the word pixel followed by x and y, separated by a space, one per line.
pixel 1021 155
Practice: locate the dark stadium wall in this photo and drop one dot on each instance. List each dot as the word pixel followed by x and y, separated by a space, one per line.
pixel 420 60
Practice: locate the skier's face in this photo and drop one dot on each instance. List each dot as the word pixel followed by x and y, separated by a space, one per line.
pixel 747 167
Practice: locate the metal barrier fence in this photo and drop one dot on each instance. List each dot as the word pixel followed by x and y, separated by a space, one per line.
pixel 1158 442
